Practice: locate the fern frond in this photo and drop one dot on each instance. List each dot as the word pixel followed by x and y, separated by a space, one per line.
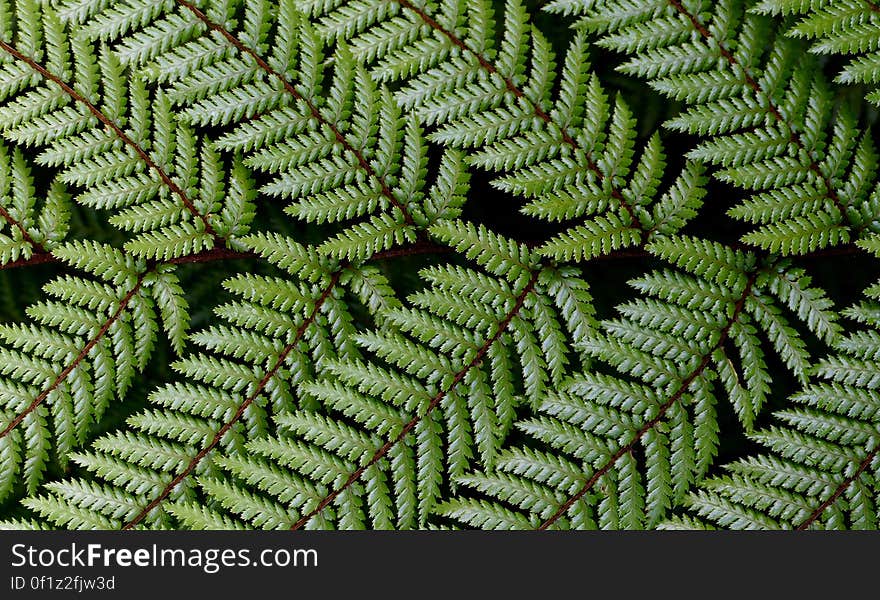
pixel 89 340
pixel 337 161
pixel 349 158
pixel 680 350
pixel 447 373
pixel 125 150
pixel 31 227
pixel 848 29
pixel 819 469
pixel 278 333
pixel 488 395
pixel 570 162
pixel 763 107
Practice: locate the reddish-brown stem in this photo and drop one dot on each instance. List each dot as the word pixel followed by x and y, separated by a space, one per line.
pixel 516 91
pixel 79 358
pixel 316 114
pixel 435 401
pixel 24 233
pixel 206 256
pixel 107 122
pixel 241 408
pixel 661 413
pixel 39 258
pixel 485 64
pixel 211 255
pixel 772 108
pixel 637 253
pixel 844 485
pixel 214 254
pixel 417 248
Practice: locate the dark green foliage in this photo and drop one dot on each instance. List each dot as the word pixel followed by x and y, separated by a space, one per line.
pixel 396 264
